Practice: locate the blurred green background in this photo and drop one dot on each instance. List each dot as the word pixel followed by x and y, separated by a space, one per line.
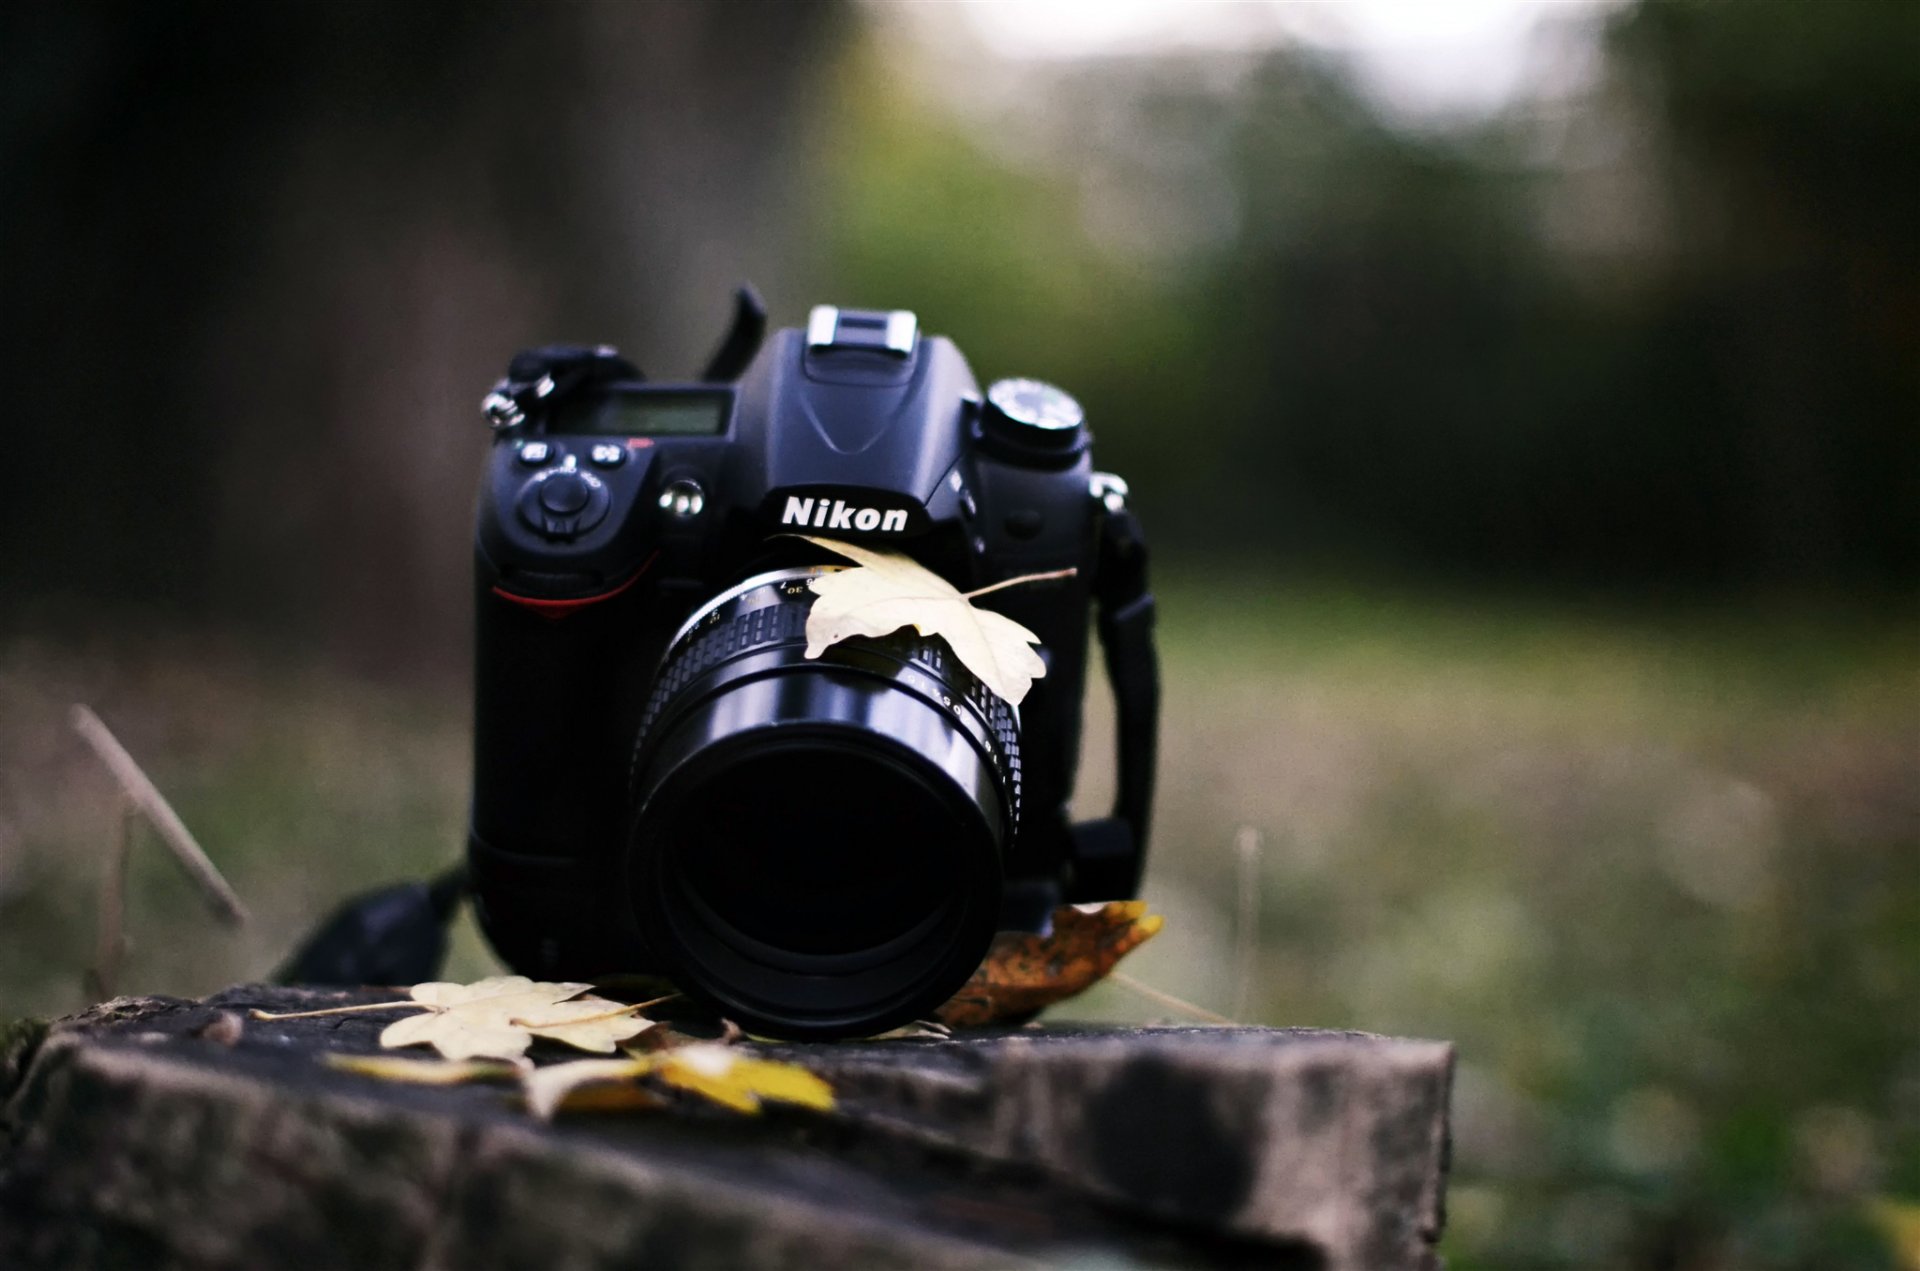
pixel 1534 468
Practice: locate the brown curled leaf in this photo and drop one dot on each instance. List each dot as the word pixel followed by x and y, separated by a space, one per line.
pixel 1024 973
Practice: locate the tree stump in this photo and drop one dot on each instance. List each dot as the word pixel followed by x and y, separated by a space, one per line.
pixel 161 1133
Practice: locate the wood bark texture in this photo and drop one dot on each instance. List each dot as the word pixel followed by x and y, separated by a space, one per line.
pixel 163 1133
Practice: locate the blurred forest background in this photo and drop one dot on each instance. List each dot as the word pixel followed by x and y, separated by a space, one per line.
pixel 1536 490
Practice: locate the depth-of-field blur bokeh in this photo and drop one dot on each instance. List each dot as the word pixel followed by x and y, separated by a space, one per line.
pixel 1533 466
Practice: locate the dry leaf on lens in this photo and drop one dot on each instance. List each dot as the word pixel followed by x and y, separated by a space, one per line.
pixel 1024 973
pixel 719 1073
pixel 888 591
pixel 498 1018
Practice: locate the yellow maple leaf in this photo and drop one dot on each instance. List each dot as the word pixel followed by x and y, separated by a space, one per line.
pixel 889 591
pixel 1024 973
pixel 498 1018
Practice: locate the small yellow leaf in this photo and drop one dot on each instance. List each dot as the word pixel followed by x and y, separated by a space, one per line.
pixel 733 1080
pixel 1024 973
pixel 612 1098
pixel 548 1089
pixel 718 1073
pixel 889 591
pixel 421 1072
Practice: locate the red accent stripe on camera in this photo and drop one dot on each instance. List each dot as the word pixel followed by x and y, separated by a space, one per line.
pixel 553 610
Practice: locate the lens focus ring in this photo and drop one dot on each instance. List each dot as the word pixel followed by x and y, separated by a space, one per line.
pixel 776 614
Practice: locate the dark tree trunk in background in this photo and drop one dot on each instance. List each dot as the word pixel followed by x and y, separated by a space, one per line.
pixel 260 262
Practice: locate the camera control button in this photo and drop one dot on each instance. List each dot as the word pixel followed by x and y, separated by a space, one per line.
pixel 683 499
pixel 607 455
pixel 566 492
pixel 564 502
pixel 535 453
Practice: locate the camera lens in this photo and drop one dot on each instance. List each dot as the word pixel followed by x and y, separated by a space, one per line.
pixel 817 843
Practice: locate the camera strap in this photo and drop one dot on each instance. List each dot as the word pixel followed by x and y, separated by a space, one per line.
pixel 1109 853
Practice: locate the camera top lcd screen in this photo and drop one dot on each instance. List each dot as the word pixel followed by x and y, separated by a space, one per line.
pixel 644 415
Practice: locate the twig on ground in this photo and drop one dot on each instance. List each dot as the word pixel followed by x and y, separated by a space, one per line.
pixel 143 794
pixel 1246 928
pixel 1169 1000
pixel 110 940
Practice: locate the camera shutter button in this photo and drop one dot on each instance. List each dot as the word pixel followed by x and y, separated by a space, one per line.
pixel 565 493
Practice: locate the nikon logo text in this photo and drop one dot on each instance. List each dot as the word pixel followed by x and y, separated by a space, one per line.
pixel 837 514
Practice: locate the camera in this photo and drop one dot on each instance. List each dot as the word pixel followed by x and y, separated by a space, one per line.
pixel 665 785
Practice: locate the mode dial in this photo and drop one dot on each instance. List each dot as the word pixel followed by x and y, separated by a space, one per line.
pixel 1033 420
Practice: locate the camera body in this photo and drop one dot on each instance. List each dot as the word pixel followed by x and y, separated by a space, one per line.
pixel 639 581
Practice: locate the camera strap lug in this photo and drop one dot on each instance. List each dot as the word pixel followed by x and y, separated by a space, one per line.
pixel 539 377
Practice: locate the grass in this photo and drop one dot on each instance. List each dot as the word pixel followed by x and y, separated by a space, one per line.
pixel 1657 874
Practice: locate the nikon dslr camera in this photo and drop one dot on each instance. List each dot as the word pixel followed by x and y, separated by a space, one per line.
pixel 665 785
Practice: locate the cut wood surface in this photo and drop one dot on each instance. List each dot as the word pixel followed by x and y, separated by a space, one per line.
pixel 157 1132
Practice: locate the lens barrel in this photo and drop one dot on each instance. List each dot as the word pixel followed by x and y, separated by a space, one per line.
pixel 817 844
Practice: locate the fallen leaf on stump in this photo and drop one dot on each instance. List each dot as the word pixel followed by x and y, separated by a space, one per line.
pixel 728 1077
pixel 1024 973
pixel 717 1073
pixel 582 1081
pixel 423 1072
pixel 498 1018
